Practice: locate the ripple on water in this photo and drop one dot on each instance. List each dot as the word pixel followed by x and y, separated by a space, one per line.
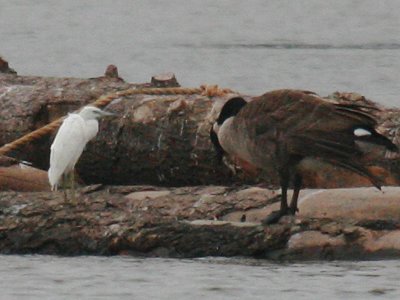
pixel 48 277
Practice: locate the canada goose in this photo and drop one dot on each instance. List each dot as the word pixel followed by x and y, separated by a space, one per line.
pixel 280 129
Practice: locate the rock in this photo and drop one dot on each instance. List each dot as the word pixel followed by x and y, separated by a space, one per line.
pixel 314 245
pixel 384 242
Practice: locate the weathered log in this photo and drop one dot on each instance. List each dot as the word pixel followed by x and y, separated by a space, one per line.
pixel 158 139
pixel 199 221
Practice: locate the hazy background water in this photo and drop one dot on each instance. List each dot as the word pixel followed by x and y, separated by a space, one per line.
pixel 251 46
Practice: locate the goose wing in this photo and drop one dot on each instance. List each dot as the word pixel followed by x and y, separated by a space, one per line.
pixel 307 126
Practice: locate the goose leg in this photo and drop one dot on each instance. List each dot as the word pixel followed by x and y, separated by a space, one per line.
pixel 298 181
pixel 284 204
pixel 277 214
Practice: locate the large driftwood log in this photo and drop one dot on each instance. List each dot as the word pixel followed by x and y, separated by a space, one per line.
pixel 201 221
pixel 156 139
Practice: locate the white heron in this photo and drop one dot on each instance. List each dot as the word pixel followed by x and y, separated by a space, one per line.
pixel 75 132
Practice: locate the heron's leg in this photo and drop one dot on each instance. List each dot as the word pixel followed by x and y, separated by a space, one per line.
pixel 72 182
pixel 298 181
pixel 64 186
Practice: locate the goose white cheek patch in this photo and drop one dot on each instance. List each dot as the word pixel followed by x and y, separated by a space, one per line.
pixel 361 132
pixel 216 127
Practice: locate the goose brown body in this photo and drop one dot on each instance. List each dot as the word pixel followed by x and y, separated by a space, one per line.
pixel 280 129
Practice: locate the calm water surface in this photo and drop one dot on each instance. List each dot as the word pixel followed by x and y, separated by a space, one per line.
pixel 48 277
pixel 251 46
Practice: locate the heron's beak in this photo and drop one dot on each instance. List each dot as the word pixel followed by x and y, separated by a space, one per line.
pixel 108 114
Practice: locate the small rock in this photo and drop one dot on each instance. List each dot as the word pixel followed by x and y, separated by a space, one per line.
pixel 313 239
pixel 389 241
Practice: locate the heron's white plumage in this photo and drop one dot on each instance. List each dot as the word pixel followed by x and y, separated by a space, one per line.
pixel 92 127
pixel 75 132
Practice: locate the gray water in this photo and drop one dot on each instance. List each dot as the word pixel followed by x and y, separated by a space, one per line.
pixel 250 46
pixel 47 277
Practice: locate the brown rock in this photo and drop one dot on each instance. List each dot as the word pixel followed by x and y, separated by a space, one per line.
pixel 315 245
pixel 385 241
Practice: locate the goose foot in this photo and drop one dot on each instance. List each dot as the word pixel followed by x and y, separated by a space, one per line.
pixel 274 217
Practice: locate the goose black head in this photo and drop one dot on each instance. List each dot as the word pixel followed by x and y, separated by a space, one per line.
pixel 230 109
